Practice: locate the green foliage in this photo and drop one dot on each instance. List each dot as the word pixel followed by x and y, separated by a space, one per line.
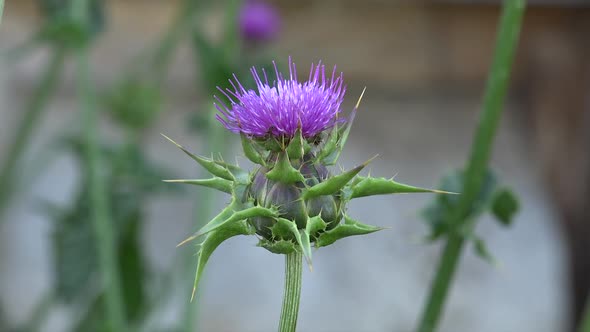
pixel 62 29
pixel 132 178
pixel 134 103
pixel 350 227
pixel 439 214
pixel 504 206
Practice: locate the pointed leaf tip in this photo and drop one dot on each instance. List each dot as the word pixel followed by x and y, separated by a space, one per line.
pixel 209 164
pixel 334 184
pixel 380 186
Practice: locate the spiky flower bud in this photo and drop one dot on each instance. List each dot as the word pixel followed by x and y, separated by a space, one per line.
pixel 293 131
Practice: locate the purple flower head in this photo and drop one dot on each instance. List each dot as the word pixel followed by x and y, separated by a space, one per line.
pixel 279 107
pixel 259 21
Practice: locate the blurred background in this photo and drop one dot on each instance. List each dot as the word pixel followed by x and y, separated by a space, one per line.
pixel 153 68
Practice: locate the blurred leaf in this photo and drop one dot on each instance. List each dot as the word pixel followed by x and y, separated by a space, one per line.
pixel 134 103
pixel 62 29
pixel 439 212
pixel 481 250
pixel 214 66
pixel 504 206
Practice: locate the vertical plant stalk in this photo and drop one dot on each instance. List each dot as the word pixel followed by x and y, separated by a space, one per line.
pixel 99 205
pixel 292 293
pixel 205 204
pixel 585 323
pixel 507 39
pixel 1 9
pixel 28 123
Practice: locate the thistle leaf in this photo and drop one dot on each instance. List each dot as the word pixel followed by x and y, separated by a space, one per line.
pixel 283 171
pixel 302 241
pixel 504 206
pixel 278 247
pixel 381 186
pixel 255 211
pixel 315 224
pixel 209 164
pixel 295 148
pixel 250 151
pixel 334 184
pixel 350 227
pixel 240 175
pixel 215 183
pixel 212 241
pixel 223 215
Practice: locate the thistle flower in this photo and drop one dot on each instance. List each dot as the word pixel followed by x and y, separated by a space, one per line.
pixel 259 21
pixel 282 106
pixel 293 132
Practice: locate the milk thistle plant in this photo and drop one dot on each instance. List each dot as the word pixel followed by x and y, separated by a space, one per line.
pixel 293 131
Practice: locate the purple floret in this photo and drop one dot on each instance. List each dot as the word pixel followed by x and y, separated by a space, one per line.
pixel 278 108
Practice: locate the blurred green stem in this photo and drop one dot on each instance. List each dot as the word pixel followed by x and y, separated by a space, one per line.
pixel 179 28
pixel 1 9
pixel 507 39
pixel 28 123
pixel 99 206
pixel 205 203
pixel 292 292
pixel 585 323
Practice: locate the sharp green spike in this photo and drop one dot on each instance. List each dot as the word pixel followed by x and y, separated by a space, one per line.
pixel 213 240
pixel 215 183
pixel 255 211
pixel 283 171
pixel 350 227
pixel 334 184
pixel 207 163
pixel 380 186
pixel 250 151
pixel 303 243
pixel 295 148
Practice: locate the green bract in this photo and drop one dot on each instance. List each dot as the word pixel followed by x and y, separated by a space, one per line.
pixel 290 200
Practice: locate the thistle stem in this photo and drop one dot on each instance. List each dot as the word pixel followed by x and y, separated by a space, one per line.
pixel 292 294
pixel 99 205
pixel 27 125
pixel 508 32
pixel 585 323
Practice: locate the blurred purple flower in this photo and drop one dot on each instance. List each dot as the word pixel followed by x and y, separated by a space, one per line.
pixel 259 21
pixel 280 106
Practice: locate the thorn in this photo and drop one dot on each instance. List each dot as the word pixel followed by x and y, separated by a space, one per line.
pixel 189 239
pixel 193 294
pixel 170 139
pixel 370 160
pixel 360 98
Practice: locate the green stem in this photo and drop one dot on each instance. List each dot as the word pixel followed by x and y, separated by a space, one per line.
pixel 26 127
pixel 292 294
pixel 507 39
pixel 585 323
pixel 99 205
pixel 1 9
